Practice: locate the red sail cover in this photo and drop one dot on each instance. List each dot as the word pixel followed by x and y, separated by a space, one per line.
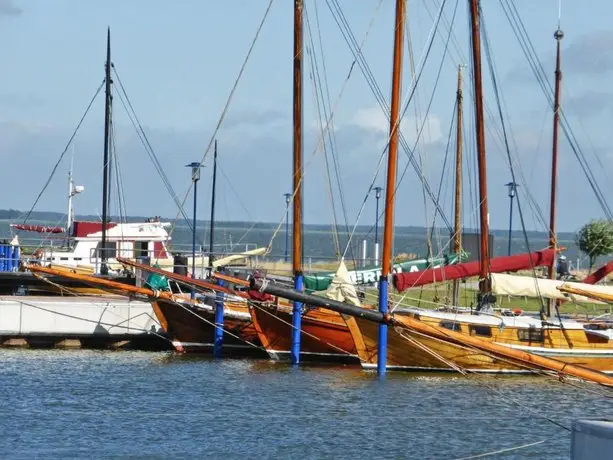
pixel 38 228
pixel 528 260
pixel 599 274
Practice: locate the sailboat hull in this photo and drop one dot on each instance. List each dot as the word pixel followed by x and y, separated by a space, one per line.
pixel 413 350
pixel 192 329
pixel 324 335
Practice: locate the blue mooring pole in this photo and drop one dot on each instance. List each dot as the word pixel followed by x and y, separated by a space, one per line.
pixel 382 342
pixel 218 342
pixel 16 258
pixel 2 257
pixel 296 321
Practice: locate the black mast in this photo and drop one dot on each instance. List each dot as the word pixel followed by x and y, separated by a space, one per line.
pixel 212 231
pixel 104 269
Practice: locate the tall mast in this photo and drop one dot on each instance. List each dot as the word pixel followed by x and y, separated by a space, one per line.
pixel 457 236
pixel 105 168
pixel 558 35
pixel 484 281
pixel 297 183
pixel 386 256
pixel 212 230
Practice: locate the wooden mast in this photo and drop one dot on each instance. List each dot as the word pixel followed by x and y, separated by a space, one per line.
pixel 484 280
pixel 297 184
pixel 386 256
pixel 558 35
pixel 457 236
pixel 104 269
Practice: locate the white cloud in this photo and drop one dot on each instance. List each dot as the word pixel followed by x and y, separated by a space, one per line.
pixel 374 120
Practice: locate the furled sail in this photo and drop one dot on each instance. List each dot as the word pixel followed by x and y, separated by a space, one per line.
pixel 342 288
pixel 38 228
pixel 403 281
pixel 515 285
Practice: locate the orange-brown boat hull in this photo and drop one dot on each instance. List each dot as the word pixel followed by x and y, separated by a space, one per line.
pixel 324 335
pixel 192 330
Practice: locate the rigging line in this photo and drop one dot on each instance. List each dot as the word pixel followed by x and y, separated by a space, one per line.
pixel 317 92
pixel 327 109
pixel 492 129
pixel 264 309
pixel 74 133
pixel 449 140
pixel 537 68
pixel 129 108
pixel 490 59
pixel 436 81
pixel 367 73
pixel 227 105
pixel 411 94
pixel 332 113
pixel 571 102
pixel 503 451
pixel 212 323
pixel 121 198
pixel 418 148
pixel 94 321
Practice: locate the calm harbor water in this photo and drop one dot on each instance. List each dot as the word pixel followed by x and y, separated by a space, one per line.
pixel 99 404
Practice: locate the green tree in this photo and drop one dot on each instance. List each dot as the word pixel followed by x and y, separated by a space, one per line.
pixel 596 239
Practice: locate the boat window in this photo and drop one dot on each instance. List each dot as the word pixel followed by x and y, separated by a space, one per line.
pixel 484 331
pixel 451 325
pixel 531 334
pixel 111 249
pixel 141 249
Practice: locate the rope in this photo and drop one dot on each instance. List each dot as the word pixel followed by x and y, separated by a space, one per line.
pixel 226 107
pixel 74 133
pixel 501 451
pixel 381 100
pixel 329 121
pixel 110 325
pixel 396 127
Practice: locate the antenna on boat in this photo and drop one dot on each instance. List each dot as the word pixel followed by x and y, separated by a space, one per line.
pixel 72 191
pixel 104 269
pixel 558 35
pixel 485 296
pixel 297 185
pixel 392 157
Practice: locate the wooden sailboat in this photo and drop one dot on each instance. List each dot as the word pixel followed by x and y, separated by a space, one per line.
pixel 321 335
pixel 412 346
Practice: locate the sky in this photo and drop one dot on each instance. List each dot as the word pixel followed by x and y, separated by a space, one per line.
pixel 178 62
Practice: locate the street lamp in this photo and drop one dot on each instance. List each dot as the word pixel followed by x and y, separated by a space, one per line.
pixel 512 192
pixel 287 196
pixel 195 178
pixel 377 196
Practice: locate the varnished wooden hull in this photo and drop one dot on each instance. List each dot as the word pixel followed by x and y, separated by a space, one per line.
pixel 192 329
pixel 324 335
pixel 408 350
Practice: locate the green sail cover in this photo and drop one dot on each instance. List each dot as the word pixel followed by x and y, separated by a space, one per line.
pixel 370 275
pixel 157 282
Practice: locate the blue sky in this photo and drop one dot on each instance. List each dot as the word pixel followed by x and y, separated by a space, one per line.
pixel 178 61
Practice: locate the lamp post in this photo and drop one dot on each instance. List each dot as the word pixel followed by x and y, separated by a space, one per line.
pixel 287 196
pixel 512 192
pixel 195 178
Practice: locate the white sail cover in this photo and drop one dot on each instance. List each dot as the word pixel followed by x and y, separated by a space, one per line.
pixel 342 288
pixel 515 285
